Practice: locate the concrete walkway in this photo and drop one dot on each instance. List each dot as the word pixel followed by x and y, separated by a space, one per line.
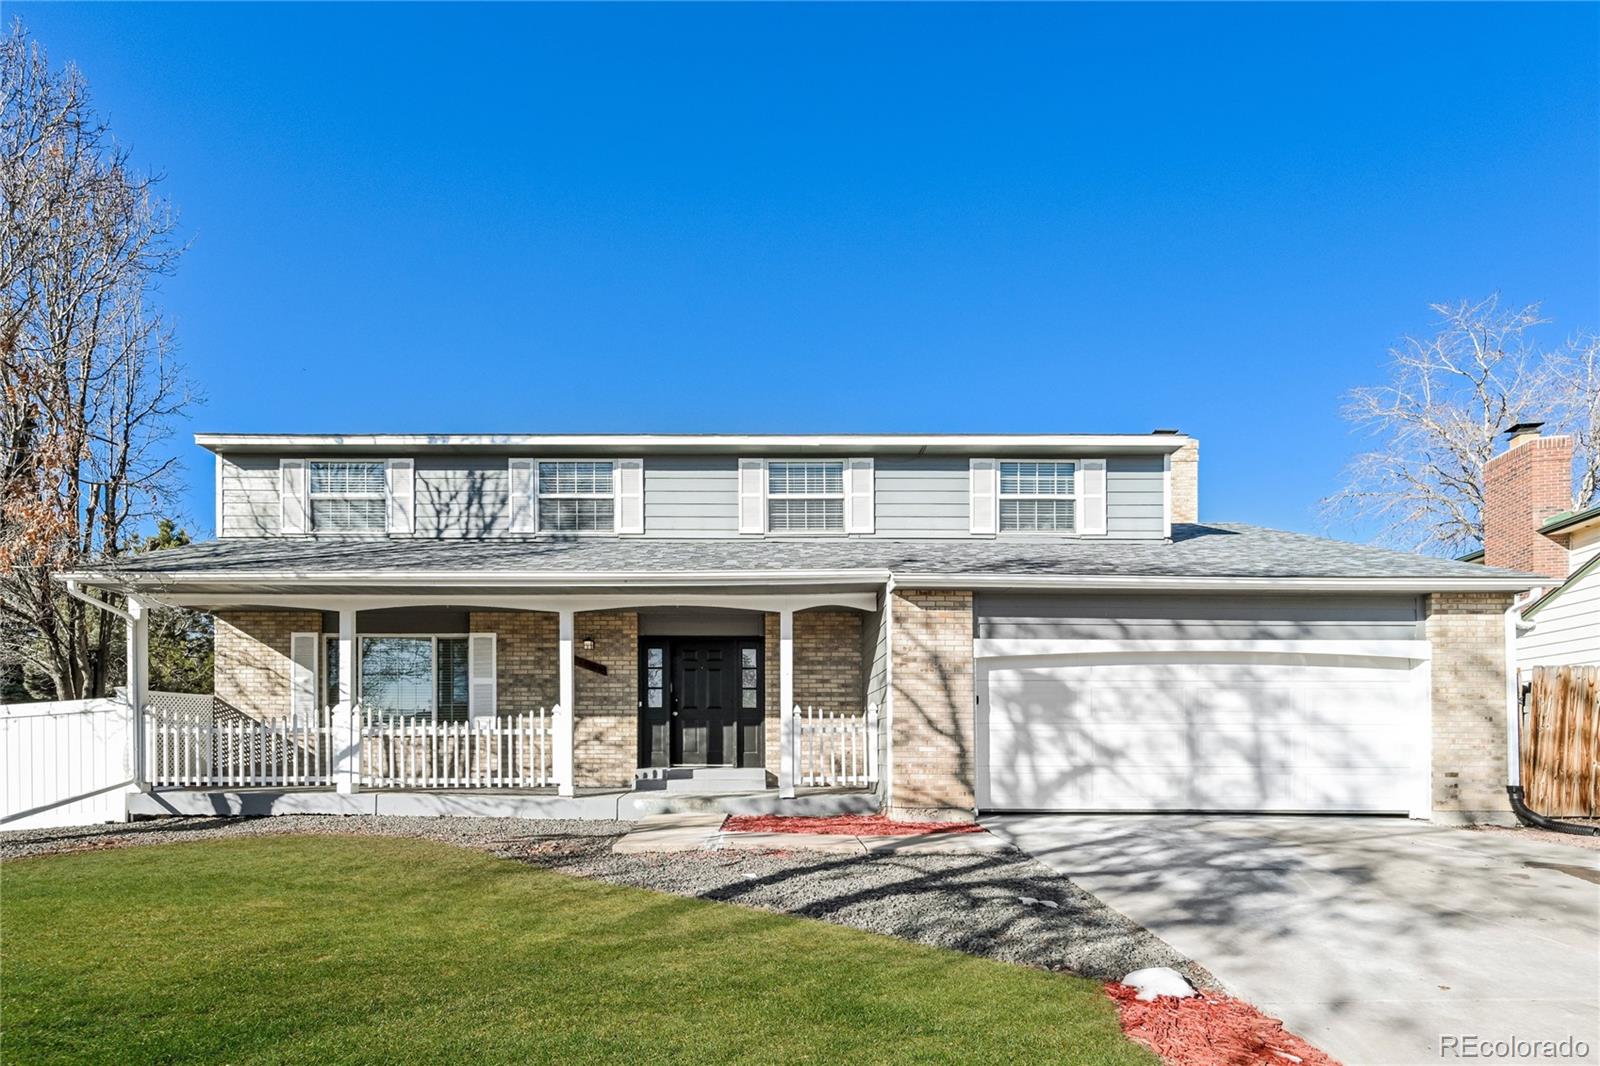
pixel 1373 938
pixel 695 832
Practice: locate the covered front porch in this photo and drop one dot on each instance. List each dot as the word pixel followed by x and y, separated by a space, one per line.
pixel 525 703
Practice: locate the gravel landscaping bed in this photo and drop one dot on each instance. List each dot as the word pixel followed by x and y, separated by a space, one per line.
pixel 966 902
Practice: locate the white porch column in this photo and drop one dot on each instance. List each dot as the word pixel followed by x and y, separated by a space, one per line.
pixel 786 703
pixel 346 752
pixel 566 721
pixel 138 690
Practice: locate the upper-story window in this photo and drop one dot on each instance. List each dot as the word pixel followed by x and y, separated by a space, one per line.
pixel 1038 497
pixel 577 497
pixel 348 497
pixel 805 497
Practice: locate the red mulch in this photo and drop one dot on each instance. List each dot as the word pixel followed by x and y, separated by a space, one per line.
pixel 842 825
pixel 1211 1030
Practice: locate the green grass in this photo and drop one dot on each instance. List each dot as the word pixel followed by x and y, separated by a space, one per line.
pixel 352 949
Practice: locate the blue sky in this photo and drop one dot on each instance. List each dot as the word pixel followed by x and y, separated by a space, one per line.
pixel 839 218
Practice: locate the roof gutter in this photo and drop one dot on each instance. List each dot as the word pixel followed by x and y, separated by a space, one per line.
pixel 1487 583
pixel 747 578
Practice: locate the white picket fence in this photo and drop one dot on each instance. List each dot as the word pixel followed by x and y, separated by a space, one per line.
pixel 217 748
pixel 64 763
pixel 835 750
pixel 515 751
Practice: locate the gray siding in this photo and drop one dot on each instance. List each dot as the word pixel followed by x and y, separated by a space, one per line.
pixel 1195 616
pixel 922 497
pixel 691 496
pixel 250 496
pixel 1134 498
pixel 462 496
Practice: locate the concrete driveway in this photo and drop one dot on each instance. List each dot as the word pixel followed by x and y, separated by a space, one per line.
pixel 1372 938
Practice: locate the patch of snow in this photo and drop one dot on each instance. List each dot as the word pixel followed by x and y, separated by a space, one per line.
pixel 1029 901
pixel 1159 981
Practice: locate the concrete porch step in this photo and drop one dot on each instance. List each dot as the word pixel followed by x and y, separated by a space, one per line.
pixel 700 780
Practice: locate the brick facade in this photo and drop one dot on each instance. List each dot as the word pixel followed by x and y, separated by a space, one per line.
pixel 827 669
pixel 606 729
pixel 526 671
pixel 251 672
pixel 1524 486
pixel 1186 483
pixel 1467 631
pixel 933 773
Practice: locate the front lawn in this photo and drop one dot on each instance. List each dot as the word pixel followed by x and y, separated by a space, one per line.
pixel 347 949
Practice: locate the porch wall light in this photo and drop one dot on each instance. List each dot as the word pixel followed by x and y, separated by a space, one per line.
pixel 588 644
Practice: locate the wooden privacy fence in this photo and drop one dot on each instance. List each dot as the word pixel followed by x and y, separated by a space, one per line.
pixel 516 751
pixel 1561 742
pixel 832 750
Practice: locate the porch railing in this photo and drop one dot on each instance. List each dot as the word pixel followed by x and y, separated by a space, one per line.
pixel 191 742
pixel 834 749
pixel 515 751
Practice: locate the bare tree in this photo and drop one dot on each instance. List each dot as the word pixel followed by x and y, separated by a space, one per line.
pixel 1438 421
pixel 90 383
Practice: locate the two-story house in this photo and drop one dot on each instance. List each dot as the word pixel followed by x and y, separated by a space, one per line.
pixel 1035 622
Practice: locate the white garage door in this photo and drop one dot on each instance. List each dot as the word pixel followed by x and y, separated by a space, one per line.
pixel 1257 733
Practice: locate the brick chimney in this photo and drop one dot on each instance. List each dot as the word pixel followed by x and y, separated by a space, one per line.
pixel 1185 481
pixel 1522 487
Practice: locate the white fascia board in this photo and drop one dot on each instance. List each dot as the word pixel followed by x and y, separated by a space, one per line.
pixel 1412 650
pixel 755 443
pixel 758 578
pixel 1067 582
pixel 479 579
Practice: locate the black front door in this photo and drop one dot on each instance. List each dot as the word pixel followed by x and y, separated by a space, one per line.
pixel 705 701
pixel 700 702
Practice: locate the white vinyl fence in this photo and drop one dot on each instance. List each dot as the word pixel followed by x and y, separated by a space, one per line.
pixel 833 750
pixel 64 763
pixel 516 751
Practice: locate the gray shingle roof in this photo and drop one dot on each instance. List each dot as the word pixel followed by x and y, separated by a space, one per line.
pixel 1202 551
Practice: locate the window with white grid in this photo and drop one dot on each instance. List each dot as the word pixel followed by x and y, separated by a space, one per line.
pixel 805 497
pixel 348 497
pixel 577 497
pixel 1038 497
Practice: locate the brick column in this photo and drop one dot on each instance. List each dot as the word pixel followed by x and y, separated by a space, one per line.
pixel 933 775
pixel 606 726
pixel 1467 632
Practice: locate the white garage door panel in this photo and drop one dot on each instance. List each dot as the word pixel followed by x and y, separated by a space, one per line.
pixel 1269 733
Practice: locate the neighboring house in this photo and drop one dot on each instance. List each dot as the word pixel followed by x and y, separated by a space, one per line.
pixel 1529 525
pixel 1042 622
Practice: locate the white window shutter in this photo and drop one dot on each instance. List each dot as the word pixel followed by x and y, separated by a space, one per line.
pixel 303 678
pixel 985 511
pixel 481 676
pixel 291 495
pixel 402 481
pixel 1092 497
pixel 630 495
pixel 524 519
pixel 859 506
pixel 752 496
